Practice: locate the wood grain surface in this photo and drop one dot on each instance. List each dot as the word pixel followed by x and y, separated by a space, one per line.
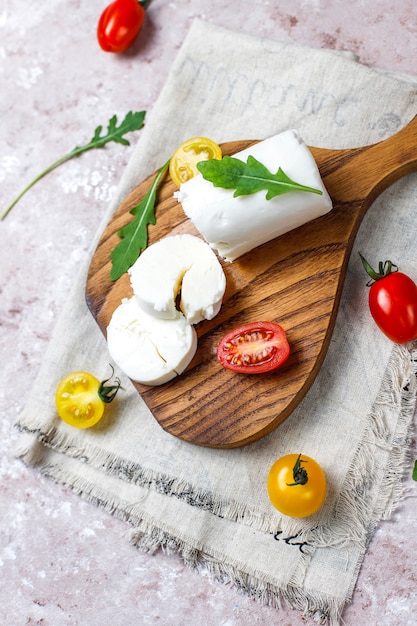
pixel 295 280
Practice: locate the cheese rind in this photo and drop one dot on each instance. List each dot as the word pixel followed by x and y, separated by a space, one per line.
pixel 179 264
pixel 149 350
pixel 234 226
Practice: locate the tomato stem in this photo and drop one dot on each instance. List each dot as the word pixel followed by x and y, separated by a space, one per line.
pixel 144 3
pixel 299 473
pixel 385 268
pixel 107 393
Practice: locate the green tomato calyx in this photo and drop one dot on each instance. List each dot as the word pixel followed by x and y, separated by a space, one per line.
pixel 107 393
pixel 385 268
pixel 299 473
pixel 414 474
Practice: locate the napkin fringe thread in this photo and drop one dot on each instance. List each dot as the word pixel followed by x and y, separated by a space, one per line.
pixel 324 610
pixel 398 391
pixel 148 537
pixel 356 512
pixel 359 508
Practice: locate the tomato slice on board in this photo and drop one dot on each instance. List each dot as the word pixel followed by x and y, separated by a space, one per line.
pixel 254 348
pixel 183 163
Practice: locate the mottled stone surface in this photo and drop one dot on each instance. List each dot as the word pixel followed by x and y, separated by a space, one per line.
pixel 62 561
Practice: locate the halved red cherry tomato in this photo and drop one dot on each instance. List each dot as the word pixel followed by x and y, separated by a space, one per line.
pixel 393 302
pixel 296 485
pixel 254 348
pixel 80 398
pixel 183 163
pixel 119 25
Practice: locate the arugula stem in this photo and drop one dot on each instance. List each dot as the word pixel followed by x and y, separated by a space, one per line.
pixel 131 122
pixel 34 181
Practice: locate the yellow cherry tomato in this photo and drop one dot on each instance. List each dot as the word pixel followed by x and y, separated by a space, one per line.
pixel 183 163
pixel 296 485
pixel 80 398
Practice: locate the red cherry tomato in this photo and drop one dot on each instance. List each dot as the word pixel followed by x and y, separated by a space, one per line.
pixel 254 348
pixel 393 302
pixel 119 25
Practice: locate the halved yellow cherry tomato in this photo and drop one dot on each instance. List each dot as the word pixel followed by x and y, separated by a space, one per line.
pixel 296 485
pixel 183 163
pixel 80 398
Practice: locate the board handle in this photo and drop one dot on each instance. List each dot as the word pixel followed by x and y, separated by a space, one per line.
pixel 369 170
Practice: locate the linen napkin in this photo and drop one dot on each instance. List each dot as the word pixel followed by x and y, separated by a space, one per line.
pixel 211 506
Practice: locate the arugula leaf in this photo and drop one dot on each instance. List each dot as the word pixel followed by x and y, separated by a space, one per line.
pixel 250 177
pixel 414 474
pixel 131 122
pixel 135 234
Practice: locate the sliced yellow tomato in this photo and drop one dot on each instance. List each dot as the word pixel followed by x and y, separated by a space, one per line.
pixel 80 398
pixel 183 164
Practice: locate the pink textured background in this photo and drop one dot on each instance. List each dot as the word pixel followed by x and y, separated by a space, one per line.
pixel 64 562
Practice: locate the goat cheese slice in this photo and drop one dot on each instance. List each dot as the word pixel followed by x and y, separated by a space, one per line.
pixel 149 350
pixel 179 267
pixel 234 226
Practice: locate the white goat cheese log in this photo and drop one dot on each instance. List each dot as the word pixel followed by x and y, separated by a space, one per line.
pixel 234 226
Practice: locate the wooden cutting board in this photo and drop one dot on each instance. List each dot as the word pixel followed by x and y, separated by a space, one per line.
pixel 295 280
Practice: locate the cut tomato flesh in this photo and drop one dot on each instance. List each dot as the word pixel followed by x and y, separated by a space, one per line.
pixel 254 348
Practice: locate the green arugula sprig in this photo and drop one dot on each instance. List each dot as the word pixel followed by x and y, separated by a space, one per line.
pixel 131 122
pixel 414 474
pixel 250 177
pixel 134 235
pixel 228 172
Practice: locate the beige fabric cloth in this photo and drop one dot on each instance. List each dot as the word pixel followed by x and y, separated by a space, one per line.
pixel 211 506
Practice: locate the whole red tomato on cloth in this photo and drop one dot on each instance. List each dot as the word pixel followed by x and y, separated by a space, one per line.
pixel 119 24
pixel 393 301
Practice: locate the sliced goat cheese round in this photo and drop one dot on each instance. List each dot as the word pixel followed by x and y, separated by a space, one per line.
pixel 149 350
pixel 179 267
pixel 233 226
